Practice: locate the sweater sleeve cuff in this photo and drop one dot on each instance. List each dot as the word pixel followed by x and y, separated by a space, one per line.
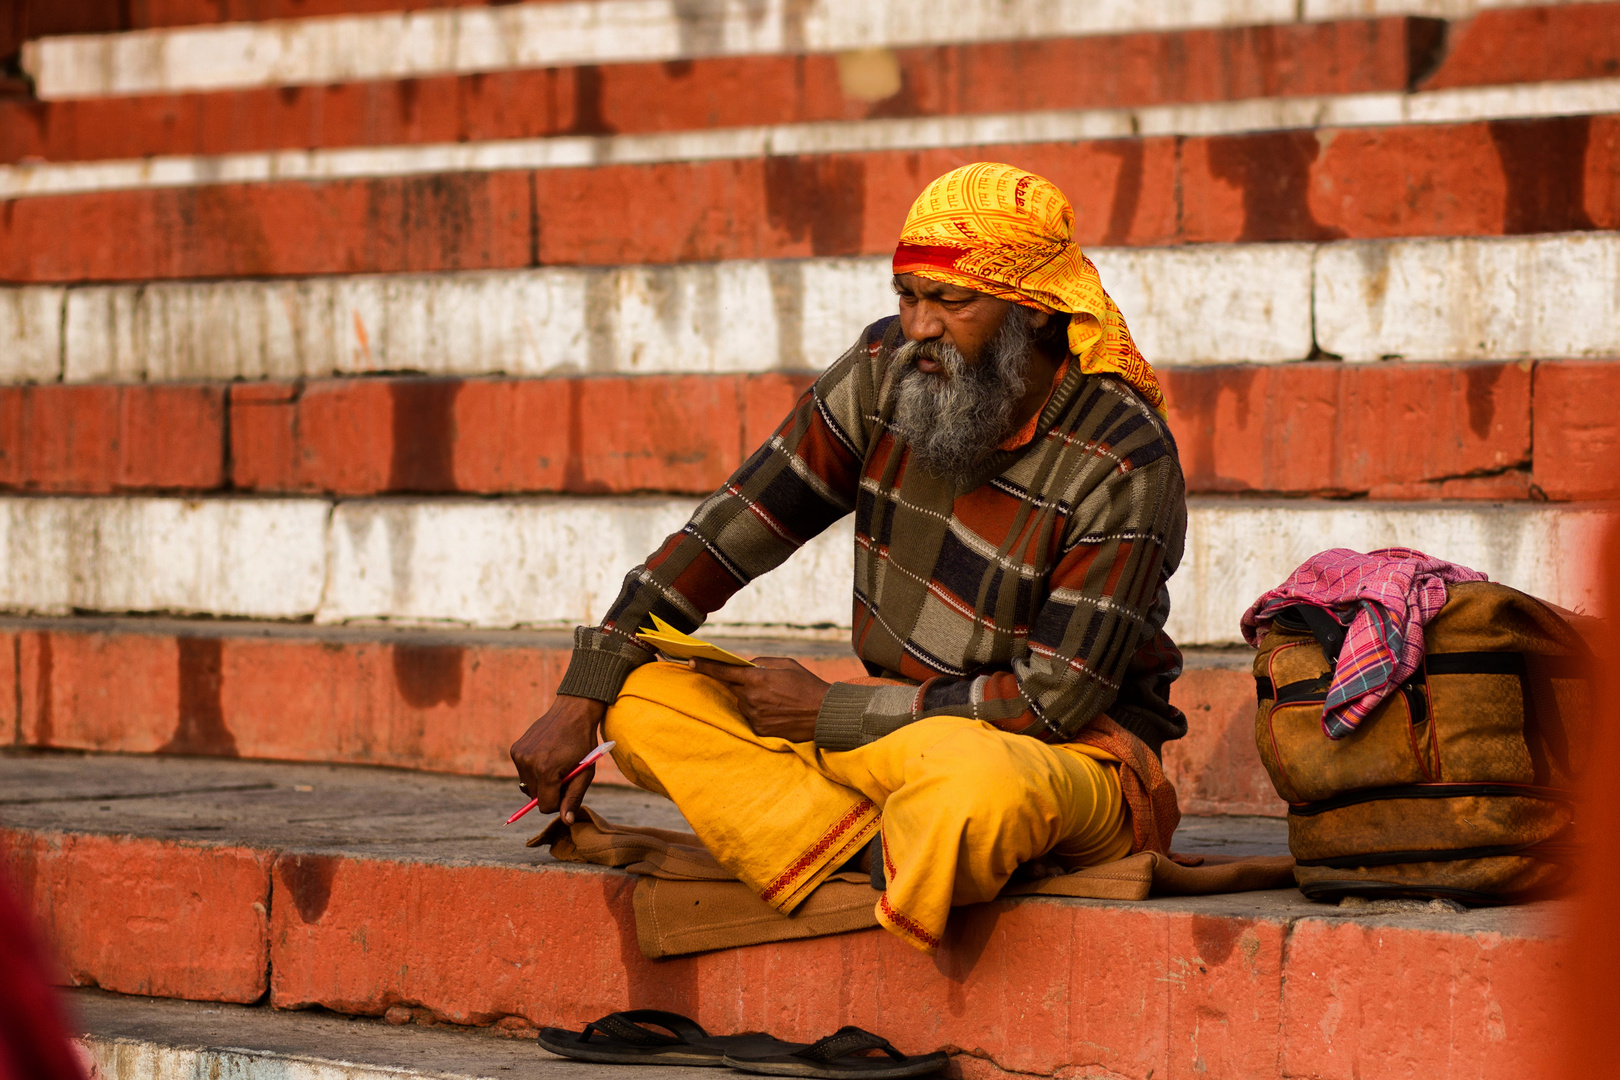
pixel 839 724
pixel 597 675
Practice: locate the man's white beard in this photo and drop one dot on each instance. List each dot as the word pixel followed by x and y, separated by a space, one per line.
pixel 955 418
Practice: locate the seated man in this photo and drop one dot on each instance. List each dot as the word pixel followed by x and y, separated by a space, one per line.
pixel 1018 508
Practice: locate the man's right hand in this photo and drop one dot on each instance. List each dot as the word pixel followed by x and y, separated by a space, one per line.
pixel 551 748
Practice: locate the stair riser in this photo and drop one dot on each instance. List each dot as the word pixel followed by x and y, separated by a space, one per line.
pixel 1494 47
pixel 388 46
pixel 1144 69
pixel 139 916
pixel 1470 179
pixel 444 708
pixel 1251 997
pixel 1521 298
pixel 556 562
pixel 1504 107
pixel 1215 766
pixel 1386 431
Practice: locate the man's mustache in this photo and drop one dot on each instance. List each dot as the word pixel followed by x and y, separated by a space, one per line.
pixel 947 356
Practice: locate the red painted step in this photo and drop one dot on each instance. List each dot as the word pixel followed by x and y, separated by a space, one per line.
pixel 442 702
pixel 1539 44
pixel 1261 985
pixel 1576 449
pixel 1156 989
pixel 1530 44
pixel 1474 179
pixel 139 916
pixel 1120 71
pixel 1385 431
pixel 99 438
pixel 684 433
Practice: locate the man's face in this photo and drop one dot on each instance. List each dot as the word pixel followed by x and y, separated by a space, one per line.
pixel 934 311
pixel 962 372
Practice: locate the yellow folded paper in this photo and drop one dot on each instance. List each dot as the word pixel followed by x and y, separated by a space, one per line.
pixel 672 643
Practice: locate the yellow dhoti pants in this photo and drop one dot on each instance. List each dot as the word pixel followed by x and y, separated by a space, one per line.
pixel 960 804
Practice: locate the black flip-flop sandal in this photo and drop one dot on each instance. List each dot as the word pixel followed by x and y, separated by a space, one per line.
pixel 622 1039
pixel 838 1056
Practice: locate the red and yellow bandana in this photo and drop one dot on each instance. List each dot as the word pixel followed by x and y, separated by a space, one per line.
pixel 1000 230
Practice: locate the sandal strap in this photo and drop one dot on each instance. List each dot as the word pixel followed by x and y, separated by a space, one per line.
pixel 627 1028
pixel 845 1042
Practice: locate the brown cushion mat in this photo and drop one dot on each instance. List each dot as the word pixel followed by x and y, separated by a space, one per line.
pixel 686 902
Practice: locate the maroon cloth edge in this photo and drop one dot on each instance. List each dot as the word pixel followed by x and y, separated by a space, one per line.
pixel 34 1041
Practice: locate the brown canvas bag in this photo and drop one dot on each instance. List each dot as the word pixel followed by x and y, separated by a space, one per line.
pixel 1459 785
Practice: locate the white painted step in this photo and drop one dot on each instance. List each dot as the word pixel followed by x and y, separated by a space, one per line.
pixel 130 1038
pixel 556 562
pixel 495 38
pixel 1534 297
pixel 1531 297
pixel 1520 101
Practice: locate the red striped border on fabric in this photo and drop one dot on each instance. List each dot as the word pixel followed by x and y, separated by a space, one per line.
pixel 908 257
pixel 905 923
pixel 804 862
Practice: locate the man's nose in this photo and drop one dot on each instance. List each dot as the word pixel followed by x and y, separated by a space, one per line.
pixel 927 323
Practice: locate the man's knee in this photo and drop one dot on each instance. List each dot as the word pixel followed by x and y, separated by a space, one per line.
pixel 637 710
pixel 981 777
pixel 659 700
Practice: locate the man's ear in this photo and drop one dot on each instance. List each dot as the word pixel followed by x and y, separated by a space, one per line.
pixel 1051 331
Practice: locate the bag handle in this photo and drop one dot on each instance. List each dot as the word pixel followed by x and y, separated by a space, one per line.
pixel 1328 631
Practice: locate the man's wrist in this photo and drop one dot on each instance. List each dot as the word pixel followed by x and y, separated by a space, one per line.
pixel 596 674
pixel 838 721
pixel 589 710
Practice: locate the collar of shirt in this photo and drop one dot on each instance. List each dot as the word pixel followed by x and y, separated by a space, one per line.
pixel 1020 438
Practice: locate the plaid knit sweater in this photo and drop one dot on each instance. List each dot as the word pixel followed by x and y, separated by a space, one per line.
pixel 1031 595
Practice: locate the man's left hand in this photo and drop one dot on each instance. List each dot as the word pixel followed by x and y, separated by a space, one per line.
pixel 778 697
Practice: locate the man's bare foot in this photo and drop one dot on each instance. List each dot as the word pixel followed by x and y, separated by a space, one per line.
pixel 1039 869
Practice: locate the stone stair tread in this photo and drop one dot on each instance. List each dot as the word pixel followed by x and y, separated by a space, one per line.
pixel 427 635
pixel 334 809
pixel 122 1033
pixel 392 893
pixel 437 636
pixel 363 810
pixel 401 815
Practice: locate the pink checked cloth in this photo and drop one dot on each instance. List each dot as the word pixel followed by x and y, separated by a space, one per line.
pixel 1386 597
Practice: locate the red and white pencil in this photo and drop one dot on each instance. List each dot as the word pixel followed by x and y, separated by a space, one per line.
pixel 583 762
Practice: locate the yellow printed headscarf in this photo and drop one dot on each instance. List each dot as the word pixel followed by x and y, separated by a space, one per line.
pixel 1002 230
